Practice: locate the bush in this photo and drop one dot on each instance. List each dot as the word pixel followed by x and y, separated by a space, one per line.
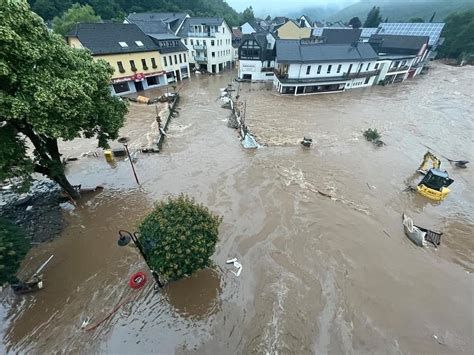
pixel 372 134
pixel 179 236
pixel 13 248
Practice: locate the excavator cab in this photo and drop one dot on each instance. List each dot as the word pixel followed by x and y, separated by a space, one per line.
pixel 435 185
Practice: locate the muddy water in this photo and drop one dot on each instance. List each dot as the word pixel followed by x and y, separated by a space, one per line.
pixel 319 275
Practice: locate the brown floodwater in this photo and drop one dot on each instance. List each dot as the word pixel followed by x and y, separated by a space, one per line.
pixel 320 275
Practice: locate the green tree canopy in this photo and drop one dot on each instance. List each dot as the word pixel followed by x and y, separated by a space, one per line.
pixel 49 91
pixel 373 17
pixel 416 20
pixel 458 34
pixel 355 22
pixel 248 15
pixel 13 248
pixel 76 13
pixel 179 236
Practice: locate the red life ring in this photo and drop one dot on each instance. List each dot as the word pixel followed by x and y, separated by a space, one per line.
pixel 137 280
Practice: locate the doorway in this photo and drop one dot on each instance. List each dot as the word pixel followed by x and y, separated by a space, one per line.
pixel 213 68
pixel 138 86
pixel 178 75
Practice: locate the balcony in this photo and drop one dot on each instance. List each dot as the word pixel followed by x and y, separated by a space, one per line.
pixel 200 47
pixel 267 70
pixel 283 78
pixel 200 59
pixel 395 69
pixel 202 34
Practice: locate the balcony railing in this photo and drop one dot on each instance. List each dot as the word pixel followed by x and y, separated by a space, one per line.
pixel 200 59
pixel 394 69
pixel 345 76
pixel 264 70
pixel 202 34
pixel 200 47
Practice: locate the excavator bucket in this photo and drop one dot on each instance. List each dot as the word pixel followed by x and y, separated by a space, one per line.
pixel 425 164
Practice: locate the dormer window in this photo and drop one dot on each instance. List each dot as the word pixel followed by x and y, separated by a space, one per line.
pixel 139 43
pixel 123 44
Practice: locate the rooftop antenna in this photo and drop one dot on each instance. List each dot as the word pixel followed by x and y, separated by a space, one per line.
pixel 432 17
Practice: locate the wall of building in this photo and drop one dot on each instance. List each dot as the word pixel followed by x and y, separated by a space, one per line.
pixel 291 31
pixel 254 69
pixel 177 64
pixel 299 71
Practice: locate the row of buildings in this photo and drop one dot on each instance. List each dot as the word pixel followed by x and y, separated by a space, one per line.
pixel 335 59
pixel 154 49
pixel 150 50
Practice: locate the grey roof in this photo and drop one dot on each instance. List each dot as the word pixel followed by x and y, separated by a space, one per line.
pixel 293 51
pixel 432 30
pixel 104 38
pixel 193 21
pixel 397 44
pixel 172 19
pixel 368 31
pixel 256 26
pixel 156 26
pixel 341 35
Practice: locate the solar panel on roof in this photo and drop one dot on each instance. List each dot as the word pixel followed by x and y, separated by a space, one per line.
pixel 432 30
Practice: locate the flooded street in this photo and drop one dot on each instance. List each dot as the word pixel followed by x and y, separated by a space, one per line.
pixel 320 275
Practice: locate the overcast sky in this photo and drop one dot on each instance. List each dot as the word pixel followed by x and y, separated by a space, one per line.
pixel 276 6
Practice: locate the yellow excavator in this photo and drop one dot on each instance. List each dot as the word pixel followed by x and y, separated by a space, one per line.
pixel 435 183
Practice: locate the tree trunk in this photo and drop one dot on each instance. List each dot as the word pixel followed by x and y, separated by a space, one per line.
pixel 49 163
pixel 66 185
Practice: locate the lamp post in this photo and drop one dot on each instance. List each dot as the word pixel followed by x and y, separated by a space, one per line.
pixel 124 141
pixel 124 239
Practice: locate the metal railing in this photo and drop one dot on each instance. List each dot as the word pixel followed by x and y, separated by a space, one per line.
pixel 322 78
pixel 394 69
pixel 200 58
pixel 202 34
pixel 200 47
pixel 264 70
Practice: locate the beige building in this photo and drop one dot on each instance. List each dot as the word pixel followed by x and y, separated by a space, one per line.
pixel 135 58
pixel 290 30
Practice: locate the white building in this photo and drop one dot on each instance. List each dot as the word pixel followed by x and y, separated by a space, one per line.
pixel 257 57
pixel 209 43
pixel 304 68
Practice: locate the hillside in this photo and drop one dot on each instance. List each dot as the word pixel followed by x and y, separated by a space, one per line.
pixel 117 9
pixel 403 10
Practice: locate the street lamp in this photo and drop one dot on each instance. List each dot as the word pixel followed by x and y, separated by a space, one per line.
pixel 124 239
pixel 124 141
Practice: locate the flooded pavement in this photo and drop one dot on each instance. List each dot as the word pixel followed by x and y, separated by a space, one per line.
pixel 319 275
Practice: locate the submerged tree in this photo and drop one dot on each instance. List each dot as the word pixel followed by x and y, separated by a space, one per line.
pixel 179 236
pixel 373 17
pixel 76 13
pixel 48 91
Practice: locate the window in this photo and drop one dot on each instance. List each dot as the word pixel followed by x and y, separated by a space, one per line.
pixel 171 60
pixel 185 41
pixel 367 80
pixel 249 50
pixel 212 42
pixel 165 61
pixel 368 67
pixel 191 42
pixel 153 63
pixel 139 43
pixel 213 54
pixel 145 67
pixel 120 67
pixel 350 68
pixel 339 68
pixel 376 66
pixel 180 59
pixel 308 69
pixel 319 69
pixel 152 80
pixel 132 65
pixel 175 59
pixel 329 68
pixel 360 68
pixel 123 44
pixel 184 57
pixel 396 64
pixel 121 87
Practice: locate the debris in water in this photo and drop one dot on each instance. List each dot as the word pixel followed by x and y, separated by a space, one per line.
pixel 236 264
pixel 420 235
pixel 372 135
pixel 307 142
pixel 85 322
